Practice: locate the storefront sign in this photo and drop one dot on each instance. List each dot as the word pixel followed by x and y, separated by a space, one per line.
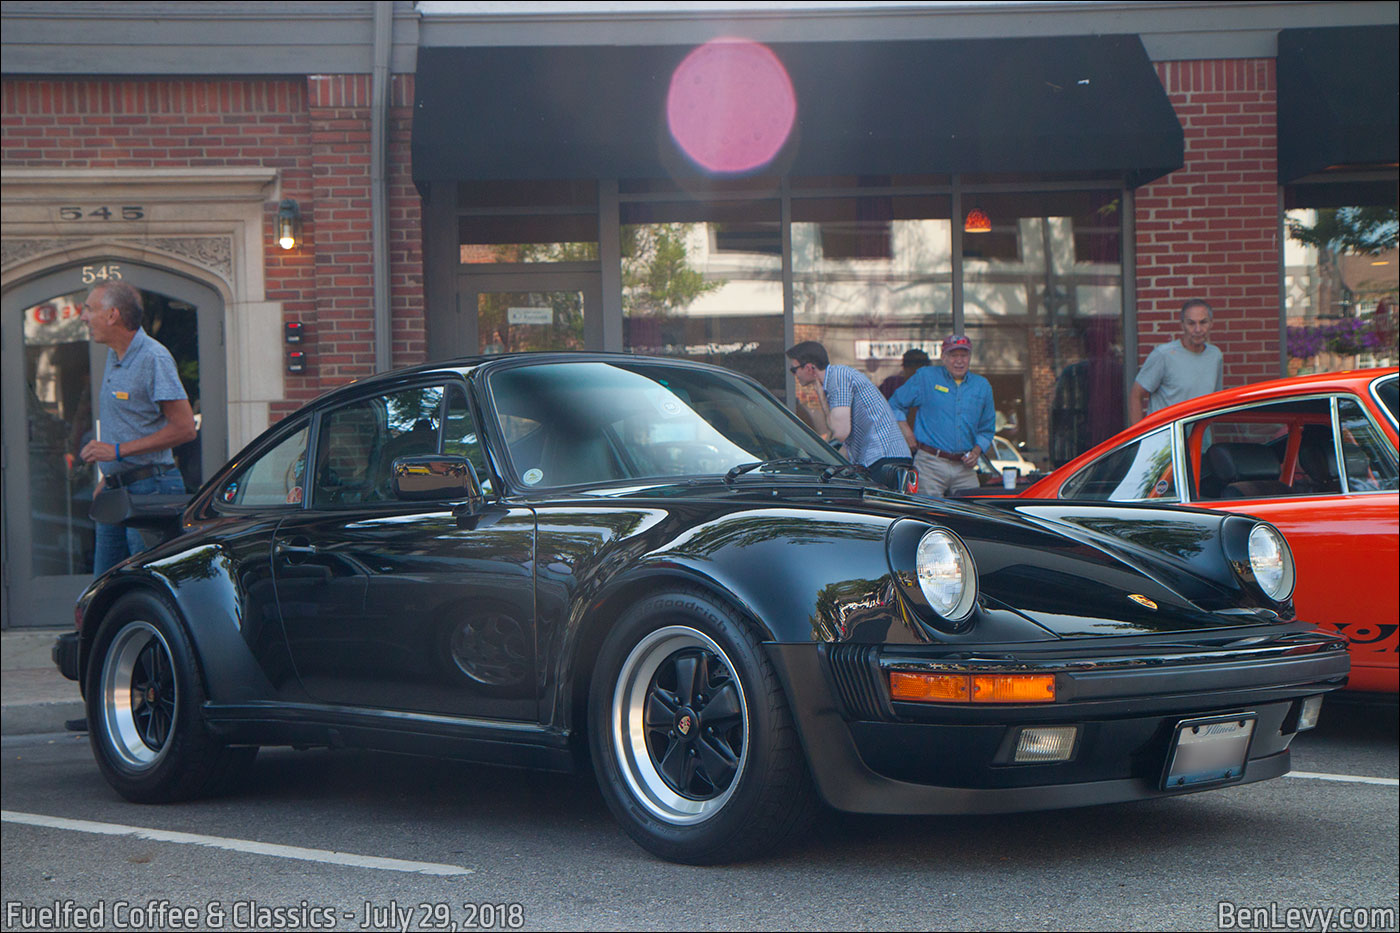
pixel 895 349
pixel 530 315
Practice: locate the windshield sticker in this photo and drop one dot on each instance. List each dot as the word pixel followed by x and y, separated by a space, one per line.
pixel 532 477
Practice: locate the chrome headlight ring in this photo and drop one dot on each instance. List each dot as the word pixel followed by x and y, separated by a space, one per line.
pixel 935 571
pixel 1271 562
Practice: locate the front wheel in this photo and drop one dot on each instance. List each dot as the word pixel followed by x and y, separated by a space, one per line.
pixel 144 706
pixel 691 736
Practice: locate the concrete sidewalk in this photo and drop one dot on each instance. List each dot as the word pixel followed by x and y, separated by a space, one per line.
pixel 34 696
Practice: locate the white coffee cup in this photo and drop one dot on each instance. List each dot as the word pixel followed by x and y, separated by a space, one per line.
pixel 1009 476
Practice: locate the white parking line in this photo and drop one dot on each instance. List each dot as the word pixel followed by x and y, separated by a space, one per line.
pixel 1345 778
pixel 235 845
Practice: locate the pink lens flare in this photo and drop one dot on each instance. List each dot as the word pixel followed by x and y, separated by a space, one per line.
pixel 731 105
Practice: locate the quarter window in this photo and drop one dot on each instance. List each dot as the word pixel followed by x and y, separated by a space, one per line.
pixel 1137 471
pixel 1369 458
pixel 277 477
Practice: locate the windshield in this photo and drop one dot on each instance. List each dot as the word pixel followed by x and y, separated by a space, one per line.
pixel 567 423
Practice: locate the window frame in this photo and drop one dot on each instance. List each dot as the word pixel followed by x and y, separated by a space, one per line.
pixel 1181 425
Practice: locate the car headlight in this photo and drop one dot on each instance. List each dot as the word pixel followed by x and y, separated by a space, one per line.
pixel 1271 561
pixel 946 574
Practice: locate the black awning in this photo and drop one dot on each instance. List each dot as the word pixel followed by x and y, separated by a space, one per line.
pixel 1338 99
pixel 1068 104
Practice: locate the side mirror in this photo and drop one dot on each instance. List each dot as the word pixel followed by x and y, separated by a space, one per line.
pixel 435 478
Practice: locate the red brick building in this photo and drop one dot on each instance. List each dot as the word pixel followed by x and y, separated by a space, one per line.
pixel 466 180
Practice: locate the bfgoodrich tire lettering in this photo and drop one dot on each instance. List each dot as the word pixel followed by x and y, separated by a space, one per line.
pixel 145 704
pixel 691 736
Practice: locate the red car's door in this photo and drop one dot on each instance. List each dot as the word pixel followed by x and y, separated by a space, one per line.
pixel 1348 546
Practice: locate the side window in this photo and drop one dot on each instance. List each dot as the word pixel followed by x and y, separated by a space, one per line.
pixel 459 435
pixel 1134 472
pixel 360 441
pixel 1369 459
pixel 1387 391
pixel 277 477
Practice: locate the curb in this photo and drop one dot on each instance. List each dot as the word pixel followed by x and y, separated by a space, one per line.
pixel 35 718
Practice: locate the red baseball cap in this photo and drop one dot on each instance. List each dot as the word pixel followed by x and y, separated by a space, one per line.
pixel 957 342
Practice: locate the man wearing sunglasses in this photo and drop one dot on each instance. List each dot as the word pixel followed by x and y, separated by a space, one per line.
pixel 856 412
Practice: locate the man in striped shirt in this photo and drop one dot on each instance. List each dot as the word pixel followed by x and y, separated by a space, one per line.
pixel 856 412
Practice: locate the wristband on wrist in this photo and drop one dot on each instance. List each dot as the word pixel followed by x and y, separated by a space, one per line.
pixel 118 446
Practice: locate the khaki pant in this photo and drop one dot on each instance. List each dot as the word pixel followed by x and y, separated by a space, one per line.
pixel 938 477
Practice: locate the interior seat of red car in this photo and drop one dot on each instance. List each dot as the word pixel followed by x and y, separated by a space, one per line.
pixel 1241 471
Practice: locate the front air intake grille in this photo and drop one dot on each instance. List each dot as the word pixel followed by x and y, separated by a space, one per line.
pixel 856 676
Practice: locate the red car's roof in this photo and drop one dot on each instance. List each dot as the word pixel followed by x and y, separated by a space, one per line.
pixel 1353 380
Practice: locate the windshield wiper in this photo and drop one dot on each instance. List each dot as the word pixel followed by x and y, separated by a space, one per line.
pixel 845 469
pixel 764 464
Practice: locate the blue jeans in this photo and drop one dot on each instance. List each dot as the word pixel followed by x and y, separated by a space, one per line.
pixel 115 543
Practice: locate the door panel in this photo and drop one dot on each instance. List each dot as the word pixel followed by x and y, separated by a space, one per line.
pixel 406 610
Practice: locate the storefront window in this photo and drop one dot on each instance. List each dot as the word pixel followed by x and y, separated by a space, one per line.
pixel 872 278
pixel 703 281
pixel 1342 281
pixel 534 222
pixel 1043 304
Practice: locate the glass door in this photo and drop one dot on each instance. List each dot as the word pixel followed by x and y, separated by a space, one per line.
pixel 53 370
pixel 526 312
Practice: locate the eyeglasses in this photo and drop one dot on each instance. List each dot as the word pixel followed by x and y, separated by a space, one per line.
pixel 794 369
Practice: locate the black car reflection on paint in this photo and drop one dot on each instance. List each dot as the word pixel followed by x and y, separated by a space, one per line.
pixel 652 568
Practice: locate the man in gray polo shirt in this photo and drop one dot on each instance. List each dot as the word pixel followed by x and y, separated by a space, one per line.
pixel 143 412
pixel 1183 369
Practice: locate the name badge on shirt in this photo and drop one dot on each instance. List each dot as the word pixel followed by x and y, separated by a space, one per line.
pixel 941 388
pixel 122 396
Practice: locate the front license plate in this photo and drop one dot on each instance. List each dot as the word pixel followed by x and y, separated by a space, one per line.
pixel 1208 751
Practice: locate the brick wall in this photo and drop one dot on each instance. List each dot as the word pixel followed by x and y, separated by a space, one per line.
pixel 315 131
pixel 1211 229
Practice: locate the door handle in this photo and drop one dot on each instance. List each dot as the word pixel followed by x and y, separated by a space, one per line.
pixel 296 549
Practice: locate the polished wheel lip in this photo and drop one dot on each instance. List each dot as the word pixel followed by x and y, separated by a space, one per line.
pixel 124 705
pixel 629 737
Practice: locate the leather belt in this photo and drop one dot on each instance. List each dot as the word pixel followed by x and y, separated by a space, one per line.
pixel 942 454
pixel 127 477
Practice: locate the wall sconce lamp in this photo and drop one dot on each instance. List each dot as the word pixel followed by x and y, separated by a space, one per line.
pixel 288 224
pixel 977 221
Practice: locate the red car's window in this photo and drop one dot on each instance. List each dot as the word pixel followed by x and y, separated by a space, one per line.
pixel 1367 455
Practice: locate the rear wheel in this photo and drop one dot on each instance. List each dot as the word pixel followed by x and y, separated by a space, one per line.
pixel 691 735
pixel 145 708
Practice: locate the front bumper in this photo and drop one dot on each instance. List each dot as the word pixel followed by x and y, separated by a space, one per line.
pixel 870 755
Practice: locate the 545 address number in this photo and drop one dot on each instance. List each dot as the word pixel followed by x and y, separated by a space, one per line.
pixel 124 212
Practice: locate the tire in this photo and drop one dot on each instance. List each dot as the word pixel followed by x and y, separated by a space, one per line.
pixel 145 703
pixel 691 737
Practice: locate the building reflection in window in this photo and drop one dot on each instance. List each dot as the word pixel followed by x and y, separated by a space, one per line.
pixel 1341 285
pixel 872 278
pixel 703 281
pixel 1043 304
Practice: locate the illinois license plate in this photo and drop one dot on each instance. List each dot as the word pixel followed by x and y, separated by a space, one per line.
pixel 1206 751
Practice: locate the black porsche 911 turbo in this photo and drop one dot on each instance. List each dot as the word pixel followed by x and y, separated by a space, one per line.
pixel 653 568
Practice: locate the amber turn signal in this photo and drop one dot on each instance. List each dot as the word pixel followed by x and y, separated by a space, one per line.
pixel 930 688
pixel 919 687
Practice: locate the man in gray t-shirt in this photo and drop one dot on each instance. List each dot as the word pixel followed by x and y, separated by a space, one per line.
pixel 1185 368
pixel 143 412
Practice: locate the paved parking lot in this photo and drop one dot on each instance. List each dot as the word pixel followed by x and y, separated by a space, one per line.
pixel 359 841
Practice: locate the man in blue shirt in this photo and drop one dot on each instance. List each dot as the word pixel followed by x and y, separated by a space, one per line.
pixel 855 411
pixel 956 419
pixel 143 412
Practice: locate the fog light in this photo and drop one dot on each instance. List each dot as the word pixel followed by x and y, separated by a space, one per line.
pixel 1307 716
pixel 1045 743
